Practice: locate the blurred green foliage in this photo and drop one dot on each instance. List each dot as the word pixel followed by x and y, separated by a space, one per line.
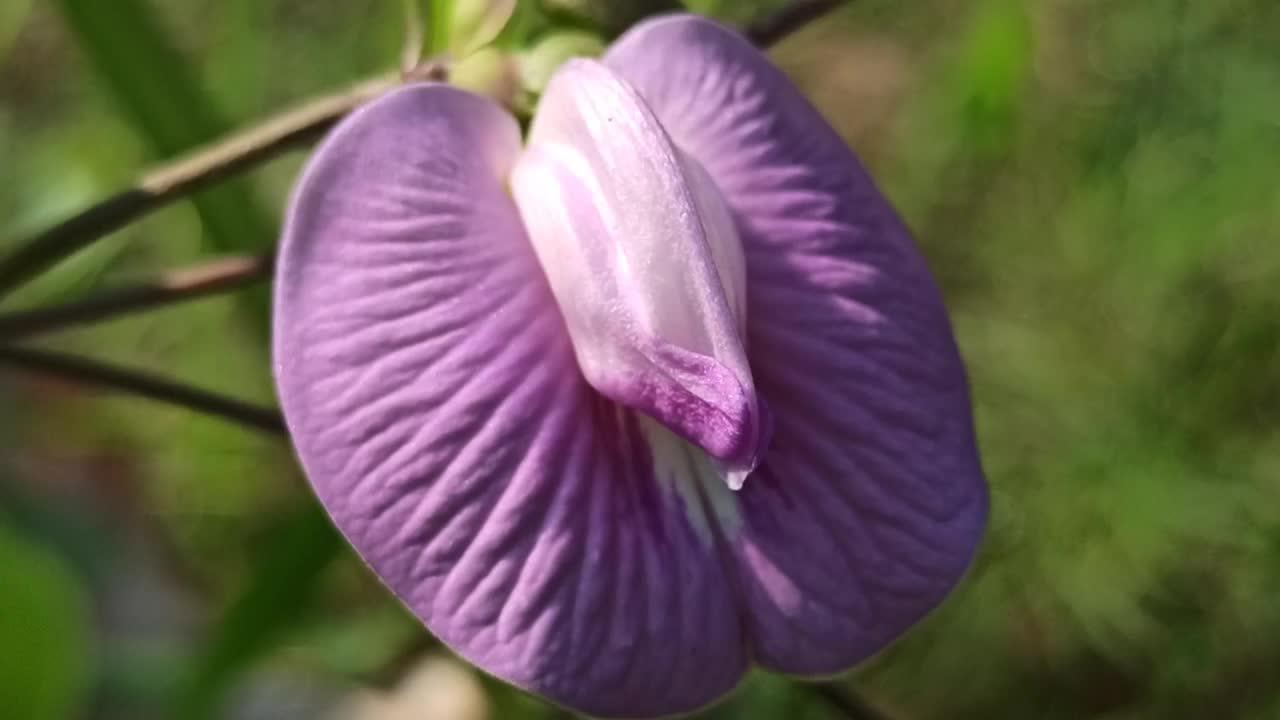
pixel 278 591
pixel 150 82
pixel 44 628
pixel 1094 183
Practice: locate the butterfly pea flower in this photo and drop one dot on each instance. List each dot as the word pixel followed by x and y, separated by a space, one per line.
pixel 660 393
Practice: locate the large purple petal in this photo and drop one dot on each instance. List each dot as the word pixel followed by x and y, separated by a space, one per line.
pixel 870 500
pixel 429 384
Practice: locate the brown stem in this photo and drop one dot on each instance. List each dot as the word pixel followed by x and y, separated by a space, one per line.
pixel 204 168
pixel 221 160
pixel 248 149
pixel 82 370
pixel 172 287
pixel 775 26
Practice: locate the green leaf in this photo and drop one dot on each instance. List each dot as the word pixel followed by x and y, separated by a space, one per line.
pixel 158 91
pixel 44 669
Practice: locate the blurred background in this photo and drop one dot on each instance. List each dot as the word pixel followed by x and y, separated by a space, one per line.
pixel 1095 183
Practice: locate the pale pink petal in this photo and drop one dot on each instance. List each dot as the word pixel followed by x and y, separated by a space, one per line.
pixel 644 260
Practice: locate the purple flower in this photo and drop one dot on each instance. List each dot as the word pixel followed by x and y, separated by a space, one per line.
pixel 526 408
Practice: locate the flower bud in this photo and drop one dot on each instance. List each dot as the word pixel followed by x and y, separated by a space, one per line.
pixel 489 72
pixel 537 64
pixel 476 23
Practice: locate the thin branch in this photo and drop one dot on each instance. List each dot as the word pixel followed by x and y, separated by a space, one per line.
pixel 249 148
pixel 89 372
pixel 172 287
pixel 845 701
pixel 224 159
pixel 775 26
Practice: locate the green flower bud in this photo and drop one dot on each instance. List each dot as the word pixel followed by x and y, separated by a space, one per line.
pixel 474 24
pixel 538 63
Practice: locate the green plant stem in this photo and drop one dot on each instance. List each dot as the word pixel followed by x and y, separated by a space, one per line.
pixel 775 26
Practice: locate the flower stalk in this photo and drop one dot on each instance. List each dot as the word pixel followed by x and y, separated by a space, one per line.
pixel 175 286
pixel 90 372
pixel 174 181
pixel 223 160
pixel 246 150
pixel 777 25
